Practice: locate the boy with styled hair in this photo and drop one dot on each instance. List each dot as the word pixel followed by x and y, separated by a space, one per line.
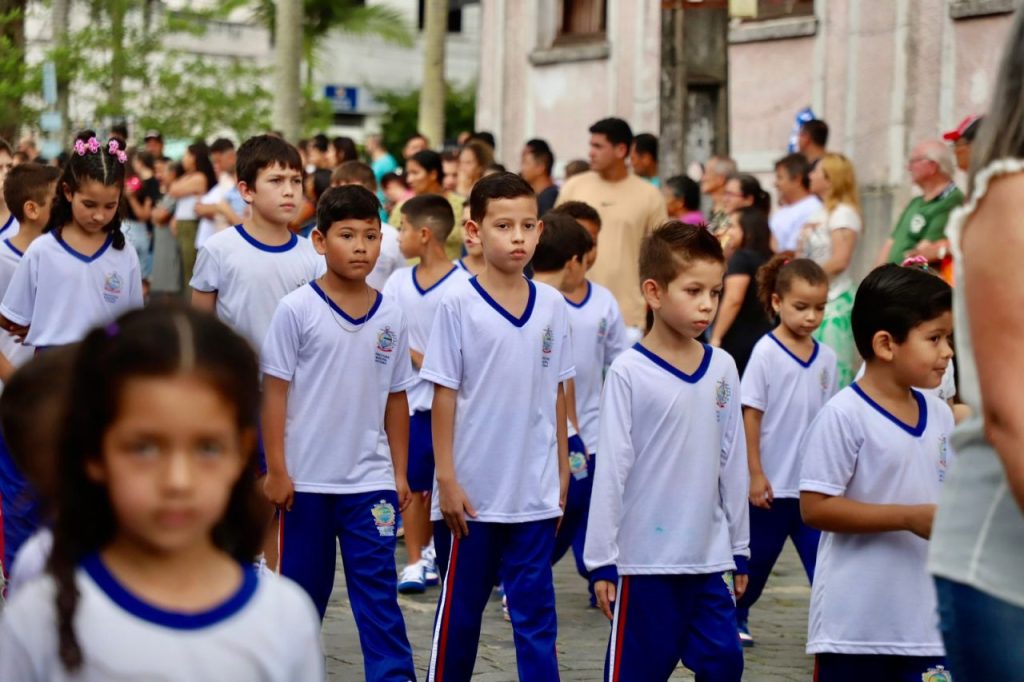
pixel 497 355
pixel 243 272
pixel 427 220
pixel 335 370
pixel 668 525
pixel 874 461
pixel 598 337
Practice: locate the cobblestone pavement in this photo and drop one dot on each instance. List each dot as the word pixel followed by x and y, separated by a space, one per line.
pixel 779 622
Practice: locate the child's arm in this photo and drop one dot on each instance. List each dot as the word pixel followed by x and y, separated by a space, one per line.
pixel 761 494
pixel 277 486
pixel 192 183
pixel 451 497
pixel 842 515
pixel 204 300
pixel 732 300
pixel 6 369
pixel 570 404
pixel 615 443
pixel 396 426
pixel 562 438
pixel 417 358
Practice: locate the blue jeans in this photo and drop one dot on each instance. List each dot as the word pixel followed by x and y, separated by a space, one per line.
pixel 982 633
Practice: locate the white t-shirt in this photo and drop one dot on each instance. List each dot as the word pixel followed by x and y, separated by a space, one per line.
pixel 10 228
pixel 598 337
pixel 507 371
pixel 787 221
pixel 790 393
pixel 341 371
pixel 670 494
pixel 185 207
pixel 16 353
pixel 267 630
pixel 62 294
pixel 30 561
pixel 872 593
pixel 211 226
pixel 816 241
pixel 390 258
pixel 945 390
pixel 420 307
pixel 251 278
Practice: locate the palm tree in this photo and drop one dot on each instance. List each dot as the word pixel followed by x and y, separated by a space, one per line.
pixel 320 17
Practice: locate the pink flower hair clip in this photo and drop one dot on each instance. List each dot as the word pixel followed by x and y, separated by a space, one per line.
pixel 115 150
pixel 916 262
pixel 93 144
pixel 80 147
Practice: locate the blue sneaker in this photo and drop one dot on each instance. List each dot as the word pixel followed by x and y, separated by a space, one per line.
pixel 745 637
pixel 429 563
pixel 412 581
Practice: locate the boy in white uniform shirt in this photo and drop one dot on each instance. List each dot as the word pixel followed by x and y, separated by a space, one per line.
pixel 874 461
pixel 598 337
pixel 243 272
pixel 498 354
pixel 669 518
pixel 427 220
pixel 335 371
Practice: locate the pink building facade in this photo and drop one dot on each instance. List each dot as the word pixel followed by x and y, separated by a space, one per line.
pixel 884 74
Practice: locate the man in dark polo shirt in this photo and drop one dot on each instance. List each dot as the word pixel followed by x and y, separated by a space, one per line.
pixel 921 228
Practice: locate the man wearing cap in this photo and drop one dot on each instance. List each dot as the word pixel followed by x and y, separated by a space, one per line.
pixel 962 137
pixel 154 142
pixel 921 228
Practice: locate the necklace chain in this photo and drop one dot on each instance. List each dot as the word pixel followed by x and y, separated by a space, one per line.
pixel 334 314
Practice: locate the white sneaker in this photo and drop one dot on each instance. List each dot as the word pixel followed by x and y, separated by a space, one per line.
pixel 504 609
pixel 429 562
pixel 412 581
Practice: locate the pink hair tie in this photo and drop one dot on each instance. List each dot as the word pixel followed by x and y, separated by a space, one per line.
pixel 919 261
pixel 80 147
pixel 93 144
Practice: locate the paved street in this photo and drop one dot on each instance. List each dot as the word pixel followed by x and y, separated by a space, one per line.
pixel 778 622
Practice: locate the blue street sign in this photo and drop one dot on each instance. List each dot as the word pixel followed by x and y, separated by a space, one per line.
pixel 344 97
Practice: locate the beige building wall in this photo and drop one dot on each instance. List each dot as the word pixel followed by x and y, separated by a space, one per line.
pixel 885 74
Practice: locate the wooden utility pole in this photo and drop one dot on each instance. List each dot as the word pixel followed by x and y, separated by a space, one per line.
pixel 435 30
pixel 287 69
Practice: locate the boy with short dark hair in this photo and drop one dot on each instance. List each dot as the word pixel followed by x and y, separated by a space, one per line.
pixel 335 370
pixel 427 220
pixel 243 272
pixel 497 355
pixel 588 217
pixel 668 525
pixel 359 173
pixel 28 192
pixel 875 458
pixel 598 337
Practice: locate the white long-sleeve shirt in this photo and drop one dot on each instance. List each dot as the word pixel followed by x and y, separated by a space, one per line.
pixel 670 496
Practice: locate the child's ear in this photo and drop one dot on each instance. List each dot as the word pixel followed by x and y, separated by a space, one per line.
pixel 776 303
pixel 652 293
pixel 426 235
pixel 245 191
pixel 31 210
pixel 66 191
pixel 540 227
pixel 473 229
pixel 319 240
pixel 884 346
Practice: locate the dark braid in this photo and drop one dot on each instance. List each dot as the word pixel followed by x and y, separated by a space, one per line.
pixel 62 567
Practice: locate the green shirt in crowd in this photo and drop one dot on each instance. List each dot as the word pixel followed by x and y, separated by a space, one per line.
pixel 923 221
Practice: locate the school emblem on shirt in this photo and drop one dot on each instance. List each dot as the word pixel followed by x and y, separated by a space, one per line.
pixel 112 287
pixel 547 344
pixel 602 329
pixel 943 457
pixel 917 224
pixel 384 518
pixel 385 345
pixel 939 674
pixel 723 393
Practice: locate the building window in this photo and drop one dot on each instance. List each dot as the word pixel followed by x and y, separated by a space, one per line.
pixel 454 19
pixel 582 20
pixel 758 10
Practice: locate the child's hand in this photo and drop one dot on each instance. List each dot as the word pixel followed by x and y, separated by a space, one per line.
pixel 454 507
pixel 739 584
pixel 279 489
pixel 404 494
pixel 761 494
pixel 919 520
pixel 604 590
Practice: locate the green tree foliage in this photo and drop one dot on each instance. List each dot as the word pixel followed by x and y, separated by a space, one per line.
pixel 399 123
pixel 17 79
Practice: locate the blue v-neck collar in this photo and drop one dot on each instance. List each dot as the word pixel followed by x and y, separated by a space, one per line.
pixel 922 411
pixel 345 316
pixel 810 360
pixel 424 292
pixel 517 321
pixel 85 258
pixel 586 297
pixel 698 373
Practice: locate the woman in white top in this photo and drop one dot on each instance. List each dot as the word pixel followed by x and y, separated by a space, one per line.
pixel 198 179
pixel 977 543
pixel 829 239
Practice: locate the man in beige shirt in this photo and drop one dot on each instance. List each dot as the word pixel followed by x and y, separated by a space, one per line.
pixel 629 206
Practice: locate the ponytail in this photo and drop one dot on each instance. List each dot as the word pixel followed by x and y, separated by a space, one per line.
pixel 777 276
